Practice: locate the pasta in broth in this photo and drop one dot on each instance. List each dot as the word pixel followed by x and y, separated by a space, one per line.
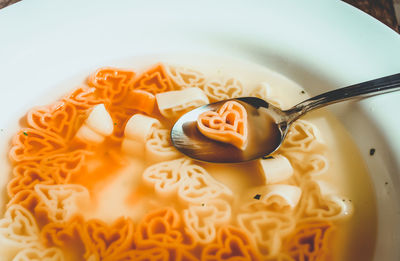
pixel 95 177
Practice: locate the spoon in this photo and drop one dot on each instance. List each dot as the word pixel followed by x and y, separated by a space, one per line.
pixel 267 124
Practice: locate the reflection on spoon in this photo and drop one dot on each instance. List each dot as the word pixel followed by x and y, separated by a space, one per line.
pixel 267 124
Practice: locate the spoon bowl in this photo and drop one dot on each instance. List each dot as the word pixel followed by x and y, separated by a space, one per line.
pixel 267 124
pixel 264 134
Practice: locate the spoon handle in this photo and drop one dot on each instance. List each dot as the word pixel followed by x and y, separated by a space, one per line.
pixel 361 90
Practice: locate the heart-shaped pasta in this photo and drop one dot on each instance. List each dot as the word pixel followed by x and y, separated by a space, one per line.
pixel 59 118
pixel 166 177
pixel 159 147
pixel 39 254
pixel 218 90
pixel 317 203
pixel 303 136
pixel 317 165
pixel 84 97
pixel 310 240
pixel 268 228
pixel 63 166
pixel 311 165
pixel 31 144
pixel 190 182
pixel 183 77
pixel 106 241
pixel 151 254
pixel 199 186
pixel 154 80
pixel 18 230
pixel 27 199
pixel 31 176
pixel 163 228
pixel 63 234
pixel 112 83
pixel 203 220
pixel 228 124
pixel 232 244
pixel 62 201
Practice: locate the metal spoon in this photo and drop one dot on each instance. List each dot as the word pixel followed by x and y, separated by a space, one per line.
pixel 267 124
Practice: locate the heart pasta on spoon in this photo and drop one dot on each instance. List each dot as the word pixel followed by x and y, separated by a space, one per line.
pixel 228 124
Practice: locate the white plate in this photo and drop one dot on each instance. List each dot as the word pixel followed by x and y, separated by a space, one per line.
pixel 319 44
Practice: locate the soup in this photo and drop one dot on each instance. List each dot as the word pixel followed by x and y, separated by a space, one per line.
pixel 95 177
